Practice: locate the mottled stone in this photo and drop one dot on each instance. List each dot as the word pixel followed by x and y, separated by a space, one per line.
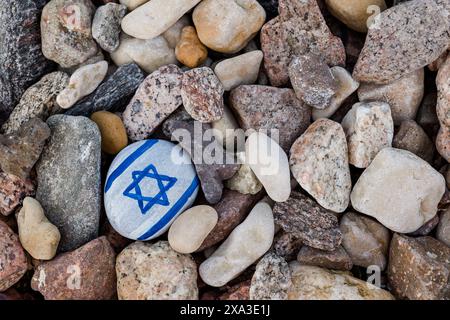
pixel 37 101
pixel 21 60
pixel 319 162
pixel 336 260
pixel 244 181
pixel 443 109
pixel 312 80
pixel 112 130
pixel 12 191
pixel 399 189
pixel 69 179
pixel 403 95
pixel 148 271
pixel 369 128
pixel 413 138
pixel 66 32
pixel 86 273
pixel 365 240
pixel 20 151
pixel 306 220
pixel 202 94
pixel 238 292
pixel 189 50
pixel 266 108
pixel 443 143
pixel 287 245
pixel 156 98
pixel 443 228
pixel 13 262
pixel 404 38
pixel 271 280
pixel 419 268
pixel 106 25
pixel 112 93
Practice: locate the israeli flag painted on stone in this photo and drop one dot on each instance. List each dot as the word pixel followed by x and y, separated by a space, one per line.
pixel 149 184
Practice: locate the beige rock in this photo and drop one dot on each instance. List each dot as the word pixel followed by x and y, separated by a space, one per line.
pixel 270 165
pixel 173 34
pixel 154 17
pixel 399 189
pixel 239 70
pixel 356 14
pixel 148 54
pixel 133 4
pixel 246 244
pixel 443 143
pixel 245 181
pixel 190 229
pixel 228 25
pixel 403 95
pixel 226 131
pixel 314 283
pixel 82 83
pixel 443 110
pixel 112 129
pixel 38 236
pixel 368 128
pixel 346 85
pixel 189 50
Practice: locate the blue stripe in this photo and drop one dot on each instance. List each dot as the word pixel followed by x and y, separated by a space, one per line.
pixel 172 212
pixel 128 161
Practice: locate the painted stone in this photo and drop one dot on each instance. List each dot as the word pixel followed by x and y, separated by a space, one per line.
pixel 149 184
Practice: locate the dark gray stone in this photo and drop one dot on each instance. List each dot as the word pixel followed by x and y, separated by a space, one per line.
pixel 106 25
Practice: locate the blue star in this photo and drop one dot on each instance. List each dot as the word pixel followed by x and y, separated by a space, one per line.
pixel 146 203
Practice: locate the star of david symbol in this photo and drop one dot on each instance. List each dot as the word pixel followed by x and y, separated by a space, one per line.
pixel 134 191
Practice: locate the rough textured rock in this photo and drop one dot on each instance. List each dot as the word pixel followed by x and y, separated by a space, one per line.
pixel 12 191
pixel 246 244
pixel 314 283
pixel 265 108
pixel 419 268
pixel 19 152
pixel 37 235
pixel 365 240
pixel 156 98
pixel 309 222
pixel 202 94
pixel 369 128
pixel 443 110
pixel 37 101
pixel 442 143
pixel 336 260
pixel 271 280
pixel 69 179
pixel 86 273
pixel 112 130
pixel 399 189
pixel 405 38
pixel 66 32
pixel 403 95
pixel 13 262
pixel 298 30
pixel 413 138
pixel 312 80
pixel 189 50
pixel 106 25
pixel 112 93
pixel 244 181
pixel 21 60
pixel 239 292
pixel 155 272
pixel 286 245
pixel 443 228
pixel 319 162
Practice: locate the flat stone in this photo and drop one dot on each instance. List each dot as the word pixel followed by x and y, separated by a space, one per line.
pixel 240 70
pixel 403 95
pixel 37 101
pixel 112 130
pixel 37 235
pixel 86 273
pixel 12 191
pixel 405 38
pixel 419 268
pixel 148 271
pixel 190 229
pixel 247 243
pixel 189 50
pixel 365 240
pixel 13 261
pixel 66 32
pixel 202 94
pixel 267 108
pixel 314 283
pixel 228 25
pixel 413 138
pixel 399 189
pixel 336 260
pixel 106 25
pixel 443 228
pixel 306 220
pixel 319 162
pixel 369 128
pixel 69 179
pixel 156 98
pixel 154 17
pixel 271 280
pixel 244 181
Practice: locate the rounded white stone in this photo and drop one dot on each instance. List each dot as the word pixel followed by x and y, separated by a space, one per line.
pixel 149 184
pixel 133 4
